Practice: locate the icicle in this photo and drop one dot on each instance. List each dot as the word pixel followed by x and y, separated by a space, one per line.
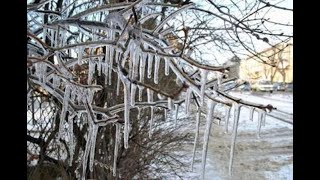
pixel 170 103
pixel 127 103
pixel 156 69
pixel 117 56
pixel 99 66
pixel 91 71
pixel 86 151
pixel 139 113
pixel 133 94
pixel 64 110
pixel 204 74
pixel 135 63
pixel 150 95
pixel 44 34
pixel 140 92
pixel 237 108
pixel 52 37
pixel 117 140
pixel 176 106
pixel 226 118
pixel 118 86
pixel 71 141
pixel 151 121
pixel 196 136
pixel 106 74
pixel 210 110
pixel 251 113
pixel 188 100
pixel 150 60
pixel 93 145
pixel 260 117
pixel 166 70
pixel 165 114
pixel 110 64
pixel 107 56
pixel 143 61
pixel 80 50
pixel 263 120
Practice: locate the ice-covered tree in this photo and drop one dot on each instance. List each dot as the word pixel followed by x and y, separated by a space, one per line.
pixel 107 69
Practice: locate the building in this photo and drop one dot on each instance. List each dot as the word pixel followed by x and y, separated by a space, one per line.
pixel 274 64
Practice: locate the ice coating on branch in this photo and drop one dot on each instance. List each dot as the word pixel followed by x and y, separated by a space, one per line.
pixel 234 134
pixel 204 74
pixel 156 69
pixel 210 109
pixel 150 62
pixel 196 135
pixel 116 17
pixel 157 29
pixel 55 81
pixel 116 146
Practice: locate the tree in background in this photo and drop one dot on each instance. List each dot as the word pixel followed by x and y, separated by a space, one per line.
pixel 105 78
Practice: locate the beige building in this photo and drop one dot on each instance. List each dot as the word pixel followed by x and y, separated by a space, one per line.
pixel 278 66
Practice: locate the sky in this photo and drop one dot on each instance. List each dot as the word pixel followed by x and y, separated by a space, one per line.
pixel 281 16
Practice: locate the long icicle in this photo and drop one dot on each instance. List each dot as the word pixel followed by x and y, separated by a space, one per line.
pixel 150 62
pixel 226 118
pixel 251 113
pixel 260 116
pixel 151 121
pixel 176 107
pixel 117 140
pixel 156 69
pixel 204 74
pixel 93 146
pixel 210 107
pixel 196 135
pixel 237 108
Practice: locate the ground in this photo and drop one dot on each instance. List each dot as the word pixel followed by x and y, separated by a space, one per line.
pixel 270 157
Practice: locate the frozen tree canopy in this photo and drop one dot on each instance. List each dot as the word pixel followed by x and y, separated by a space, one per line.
pixel 78 52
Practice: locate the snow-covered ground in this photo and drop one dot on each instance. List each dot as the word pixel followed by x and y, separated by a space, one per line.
pixel 270 157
